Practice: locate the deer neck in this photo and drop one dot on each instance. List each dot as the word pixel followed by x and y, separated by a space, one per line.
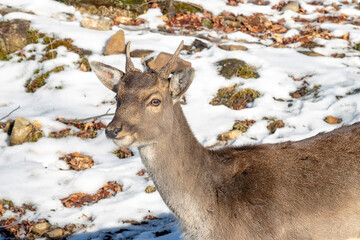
pixel 177 165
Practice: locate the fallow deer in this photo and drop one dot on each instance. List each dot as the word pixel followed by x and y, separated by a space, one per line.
pixel 308 189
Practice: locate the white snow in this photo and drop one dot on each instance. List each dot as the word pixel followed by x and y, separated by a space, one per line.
pixel 29 173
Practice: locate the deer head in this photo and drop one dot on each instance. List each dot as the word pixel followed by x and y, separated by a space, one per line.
pixel 145 100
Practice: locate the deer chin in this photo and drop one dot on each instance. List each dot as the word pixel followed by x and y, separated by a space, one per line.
pixel 125 141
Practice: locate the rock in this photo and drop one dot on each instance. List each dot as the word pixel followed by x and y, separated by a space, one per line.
pixel 332 120
pixel 300 92
pixel 110 8
pixel 338 55
pixel 275 125
pixel 41 228
pixel 140 53
pixel 163 58
pixel 228 16
pixel 232 47
pixel 229 135
pixel 311 54
pixel 292 5
pixel 116 44
pixel 21 131
pixel 56 233
pixel 311 45
pixel 14 35
pixel 171 8
pixel 234 24
pixel 233 67
pixel 198 45
pixel 96 24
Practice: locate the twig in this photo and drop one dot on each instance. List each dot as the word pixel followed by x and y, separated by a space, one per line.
pixel 10 113
pixel 89 118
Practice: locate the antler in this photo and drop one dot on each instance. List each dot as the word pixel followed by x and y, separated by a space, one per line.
pixel 129 66
pixel 165 71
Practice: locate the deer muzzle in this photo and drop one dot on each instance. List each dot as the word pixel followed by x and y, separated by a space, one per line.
pixel 112 133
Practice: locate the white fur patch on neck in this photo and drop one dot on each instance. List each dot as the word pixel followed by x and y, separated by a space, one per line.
pixel 147 154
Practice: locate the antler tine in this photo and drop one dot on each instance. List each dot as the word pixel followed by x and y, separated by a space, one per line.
pixel 165 71
pixel 129 66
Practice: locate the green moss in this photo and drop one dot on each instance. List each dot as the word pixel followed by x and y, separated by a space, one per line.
pixel 226 92
pixel 233 67
pixel 123 153
pixel 207 23
pixel 34 84
pixel 61 134
pixel 49 55
pixel 4 56
pixel 183 7
pixel 234 99
pixel 243 125
pixel 150 189
pixel 69 46
pixel 247 72
pixel 35 136
pixel 34 35
pixel 6 202
pixel 84 65
pixel 48 40
pixel 240 98
pixel 357 47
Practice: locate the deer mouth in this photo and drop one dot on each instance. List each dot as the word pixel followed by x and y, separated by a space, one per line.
pixel 124 141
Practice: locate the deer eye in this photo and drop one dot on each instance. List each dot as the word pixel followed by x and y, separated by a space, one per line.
pixel 155 102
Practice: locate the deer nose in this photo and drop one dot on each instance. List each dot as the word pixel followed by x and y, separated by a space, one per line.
pixel 112 133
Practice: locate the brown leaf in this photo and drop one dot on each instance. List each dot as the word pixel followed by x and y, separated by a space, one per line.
pixel 81 199
pixel 332 120
pixel 78 162
pixel 275 125
pixel 123 153
pixel 141 172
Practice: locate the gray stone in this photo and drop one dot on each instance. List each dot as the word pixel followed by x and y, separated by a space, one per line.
pixel 311 54
pixel 41 228
pixel 13 35
pixel 292 5
pixel 233 24
pixel 116 44
pixel 229 135
pixel 56 233
pixel 233 47
pixel 20 132
pixel 96 24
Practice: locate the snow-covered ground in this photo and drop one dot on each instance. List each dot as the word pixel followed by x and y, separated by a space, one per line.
pixel 29 173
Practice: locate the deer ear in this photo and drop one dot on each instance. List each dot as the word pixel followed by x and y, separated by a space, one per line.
pixel 109 76
pixel 180 82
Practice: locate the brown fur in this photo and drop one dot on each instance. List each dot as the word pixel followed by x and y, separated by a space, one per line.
pixel 308 189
